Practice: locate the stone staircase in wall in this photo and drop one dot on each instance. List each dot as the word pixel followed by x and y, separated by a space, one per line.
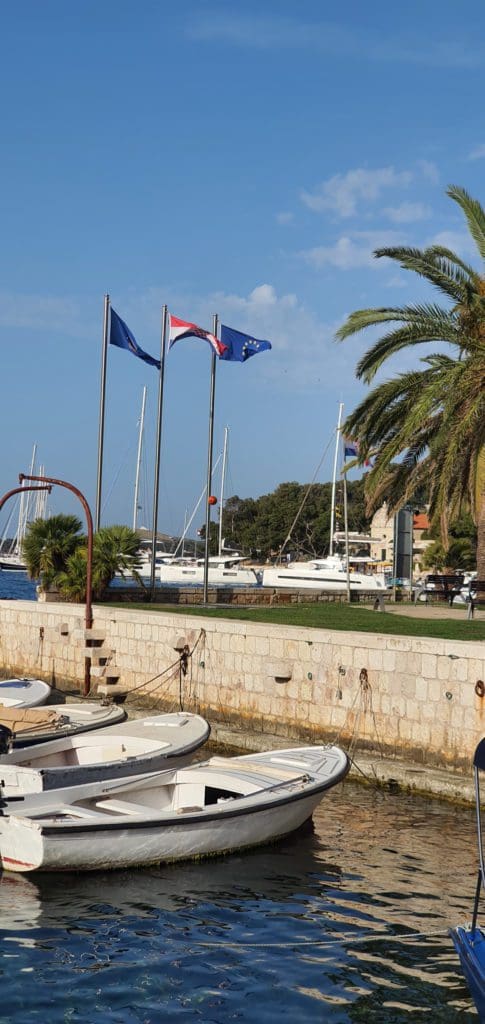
pixel 105 674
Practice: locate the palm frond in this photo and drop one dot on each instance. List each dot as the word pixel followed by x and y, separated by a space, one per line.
pixel 433 268
pixel 474 213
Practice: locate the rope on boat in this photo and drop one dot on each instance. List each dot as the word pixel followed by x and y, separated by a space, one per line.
pixel 338 937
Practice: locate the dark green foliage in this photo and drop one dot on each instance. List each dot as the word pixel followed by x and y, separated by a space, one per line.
pixel 425 427
pixel 260 526
pixel 56 554
pixel 48 544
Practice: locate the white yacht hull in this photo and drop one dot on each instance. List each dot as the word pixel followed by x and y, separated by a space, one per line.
pixel 185 575
pixel 297 576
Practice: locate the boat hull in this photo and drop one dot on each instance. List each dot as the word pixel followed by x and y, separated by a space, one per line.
pixel 24 693
pixel 208 809
pixel 73 719
pixel 26 846
pixel 190 575
pixel 470 947
pixel 292 578
pixel 145 745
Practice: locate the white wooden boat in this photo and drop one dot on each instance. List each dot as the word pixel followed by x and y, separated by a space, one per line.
pixel 23 693
pixel 213 807
pixel 34 725
pixel 135 747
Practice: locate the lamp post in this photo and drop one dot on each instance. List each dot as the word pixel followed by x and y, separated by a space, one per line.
pixel 51 481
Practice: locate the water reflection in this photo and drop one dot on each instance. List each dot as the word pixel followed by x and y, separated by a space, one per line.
pixel 343 922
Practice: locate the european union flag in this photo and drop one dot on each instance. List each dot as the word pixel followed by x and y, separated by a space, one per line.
pixel 121 336
pixel 240 346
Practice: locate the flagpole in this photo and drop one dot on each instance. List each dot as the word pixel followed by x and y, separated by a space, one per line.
pixel 138 458
pixel 346 528
pixel 97 517
pixel 334 478
pixel 158 448
pixel 215 326
pixel 223 478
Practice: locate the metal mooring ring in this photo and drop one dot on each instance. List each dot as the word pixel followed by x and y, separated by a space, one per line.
pixel 480 688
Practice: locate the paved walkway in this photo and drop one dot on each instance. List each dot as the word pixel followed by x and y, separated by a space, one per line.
pixel 433 611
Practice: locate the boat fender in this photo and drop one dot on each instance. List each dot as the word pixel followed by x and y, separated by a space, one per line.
pixel 480 688
pixel 6 739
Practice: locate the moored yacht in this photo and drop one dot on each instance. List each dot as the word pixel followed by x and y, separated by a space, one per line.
pixel 223 570
pixel 326 574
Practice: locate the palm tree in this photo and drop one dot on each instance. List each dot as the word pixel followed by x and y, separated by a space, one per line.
pixel 47 546
pixel 116 550
pixel 426 427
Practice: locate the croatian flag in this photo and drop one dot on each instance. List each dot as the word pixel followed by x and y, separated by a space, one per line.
pixel 184 329
pixel 351 451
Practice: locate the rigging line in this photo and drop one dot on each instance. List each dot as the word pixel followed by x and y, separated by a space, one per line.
pixel 305 496
pixel 13 510
pixel 123 463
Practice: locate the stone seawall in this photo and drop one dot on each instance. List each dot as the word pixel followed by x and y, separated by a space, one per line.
pixel 403 697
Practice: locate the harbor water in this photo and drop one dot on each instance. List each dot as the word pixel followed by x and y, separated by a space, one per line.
pixel 345 921
pixel 17 586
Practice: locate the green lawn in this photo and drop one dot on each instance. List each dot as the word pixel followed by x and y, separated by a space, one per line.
pixel 333 616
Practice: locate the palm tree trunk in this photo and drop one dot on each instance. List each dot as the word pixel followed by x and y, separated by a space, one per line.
pixel 481 541
pixel 480 517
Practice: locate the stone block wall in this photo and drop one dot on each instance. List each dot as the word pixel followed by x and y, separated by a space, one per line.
pixel 404 696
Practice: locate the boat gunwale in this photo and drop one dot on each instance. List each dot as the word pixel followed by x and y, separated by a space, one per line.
pixel 225 811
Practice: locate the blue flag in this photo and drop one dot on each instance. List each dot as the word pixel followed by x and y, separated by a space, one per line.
pixel 121 336
pixel 240 346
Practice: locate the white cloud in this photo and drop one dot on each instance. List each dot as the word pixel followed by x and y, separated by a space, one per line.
pixel 37 312
pixel 457 241
pixel 350 251
pixel 285 217
pixel 429 171
pixel 405 213
pixel 342 192
pixel 478 153
pixel 304 347
pixel 332 39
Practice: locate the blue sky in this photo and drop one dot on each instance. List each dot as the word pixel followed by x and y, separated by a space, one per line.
pixel 243 160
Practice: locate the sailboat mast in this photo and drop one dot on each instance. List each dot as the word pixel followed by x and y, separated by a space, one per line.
pixel 223 478
pixel 138 458
pixel 334 477
pixel 24 506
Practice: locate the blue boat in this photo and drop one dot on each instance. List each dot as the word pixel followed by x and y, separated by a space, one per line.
pixel 469 940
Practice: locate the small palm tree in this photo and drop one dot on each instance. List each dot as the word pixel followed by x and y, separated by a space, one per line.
pixel 426 427
pixel 47 546
pixel 72 581
pixel 115 551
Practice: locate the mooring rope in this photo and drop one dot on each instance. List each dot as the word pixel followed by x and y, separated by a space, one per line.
pixel 337 937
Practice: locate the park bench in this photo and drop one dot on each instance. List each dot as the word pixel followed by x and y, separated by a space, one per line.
pixel 441 586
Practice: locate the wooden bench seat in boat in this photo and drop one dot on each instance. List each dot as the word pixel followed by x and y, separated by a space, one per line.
pixel 111 803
